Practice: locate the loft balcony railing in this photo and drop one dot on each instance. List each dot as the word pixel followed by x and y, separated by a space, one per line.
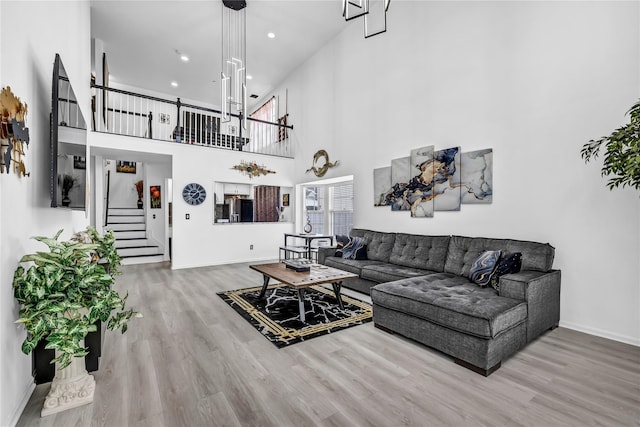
pixel 127 113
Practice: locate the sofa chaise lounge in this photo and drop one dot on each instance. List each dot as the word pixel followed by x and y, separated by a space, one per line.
pixel 420 288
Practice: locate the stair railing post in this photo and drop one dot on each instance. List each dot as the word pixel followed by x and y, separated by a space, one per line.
pixel 106 211
pixel 150 128
pixel 240 119
pixel 178 137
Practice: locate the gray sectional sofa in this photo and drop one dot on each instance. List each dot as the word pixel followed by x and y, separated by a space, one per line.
pixel 420 288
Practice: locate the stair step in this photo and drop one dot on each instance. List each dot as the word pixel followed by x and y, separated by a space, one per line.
pixel 127 226
pixel 142 259
pixel 139 251
pixel 129 234
pixel 119 219
pixel 126 211
pixel 131 243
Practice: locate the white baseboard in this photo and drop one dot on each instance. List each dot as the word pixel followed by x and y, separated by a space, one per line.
pixel 600 333
pixel 23 404
pixel 240 261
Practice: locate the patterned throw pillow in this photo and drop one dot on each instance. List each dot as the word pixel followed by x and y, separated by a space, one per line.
pixel 482 268
pixel 355 249
pixel 361 253
pixel 509 263
pixel 341 242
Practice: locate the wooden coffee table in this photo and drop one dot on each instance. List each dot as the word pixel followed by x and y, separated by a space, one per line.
pixel 318 275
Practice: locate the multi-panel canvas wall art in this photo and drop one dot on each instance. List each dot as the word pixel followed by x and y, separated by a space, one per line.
pixel 381 186
pixel 400 176
pixel 477 176
pixel 435 180
pixel 420 191
pixel 446 177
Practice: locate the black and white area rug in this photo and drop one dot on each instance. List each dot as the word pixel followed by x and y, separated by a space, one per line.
pixel 277 316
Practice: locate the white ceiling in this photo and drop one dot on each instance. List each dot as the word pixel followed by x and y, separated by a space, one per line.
pixel 141 39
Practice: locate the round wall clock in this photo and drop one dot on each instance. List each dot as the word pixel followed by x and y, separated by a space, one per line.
pixel 194 194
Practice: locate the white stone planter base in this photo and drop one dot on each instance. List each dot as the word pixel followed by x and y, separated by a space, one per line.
pixel 67 395
pixel 71 387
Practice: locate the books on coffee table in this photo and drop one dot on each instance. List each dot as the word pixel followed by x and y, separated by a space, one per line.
pixel 298 264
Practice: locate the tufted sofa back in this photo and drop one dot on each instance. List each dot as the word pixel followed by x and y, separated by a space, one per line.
pixel 463 251
pixel 415 251
pixel 378 244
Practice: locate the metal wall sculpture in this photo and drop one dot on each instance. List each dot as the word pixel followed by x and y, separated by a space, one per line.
pixel 320 171
pixel 14 135
pixel 252 169
pixel 435 180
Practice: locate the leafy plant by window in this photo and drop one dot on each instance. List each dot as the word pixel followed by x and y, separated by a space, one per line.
pixel 622 156
pixel 65 291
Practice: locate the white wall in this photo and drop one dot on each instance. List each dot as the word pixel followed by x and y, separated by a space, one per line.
pixel 122 186
pixel 156 174
pixel 532 80
pixel 197 241
pixel 31 33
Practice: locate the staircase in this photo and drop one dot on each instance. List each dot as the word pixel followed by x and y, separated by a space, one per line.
pixel 130 230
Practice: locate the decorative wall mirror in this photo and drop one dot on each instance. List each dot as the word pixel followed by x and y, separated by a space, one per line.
pixel 68 140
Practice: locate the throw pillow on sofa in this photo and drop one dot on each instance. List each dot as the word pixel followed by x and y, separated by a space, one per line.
pixel 355 249
pixel 483 267
pixel 510 262
pixel 341 242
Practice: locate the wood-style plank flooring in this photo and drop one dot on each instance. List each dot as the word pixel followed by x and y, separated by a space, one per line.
pixel 193 361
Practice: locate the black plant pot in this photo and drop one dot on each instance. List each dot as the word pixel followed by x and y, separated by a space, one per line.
pixel 66 201
pixel 139 203
pixel 44 370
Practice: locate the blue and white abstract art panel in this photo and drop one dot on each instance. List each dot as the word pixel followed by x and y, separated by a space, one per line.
pixel 400 177
pixel 447 192
pixel 477 176
pixel 382 186
pixel 420 191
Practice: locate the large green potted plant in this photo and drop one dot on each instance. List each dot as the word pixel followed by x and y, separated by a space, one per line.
pixel 62 294
pixel 65 291
pixel 622 156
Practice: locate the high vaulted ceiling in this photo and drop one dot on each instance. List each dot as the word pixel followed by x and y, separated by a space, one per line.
pixel 142 38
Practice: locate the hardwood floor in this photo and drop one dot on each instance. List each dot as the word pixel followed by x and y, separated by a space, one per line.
pixel 193 361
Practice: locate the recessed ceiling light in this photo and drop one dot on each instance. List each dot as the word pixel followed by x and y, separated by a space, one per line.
pixel 271 35
pixel 184 57
pixel 249 77
pixel 174 84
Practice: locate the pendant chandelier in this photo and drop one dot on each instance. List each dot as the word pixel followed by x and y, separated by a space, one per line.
pixel 374 12
pixel 234 60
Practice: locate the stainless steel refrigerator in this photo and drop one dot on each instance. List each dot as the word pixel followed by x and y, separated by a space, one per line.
pixel 244 207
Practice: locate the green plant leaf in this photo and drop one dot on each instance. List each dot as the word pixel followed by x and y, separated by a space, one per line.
pixel 622 153
pixel 63 293
pixel 28 346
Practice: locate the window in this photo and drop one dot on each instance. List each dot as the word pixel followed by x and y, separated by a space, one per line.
pixel 263 134
pixel 341 208
pixel 329 208
pixel 314 208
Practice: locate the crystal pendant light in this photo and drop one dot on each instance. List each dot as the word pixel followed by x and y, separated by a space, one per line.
pixel 234 60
